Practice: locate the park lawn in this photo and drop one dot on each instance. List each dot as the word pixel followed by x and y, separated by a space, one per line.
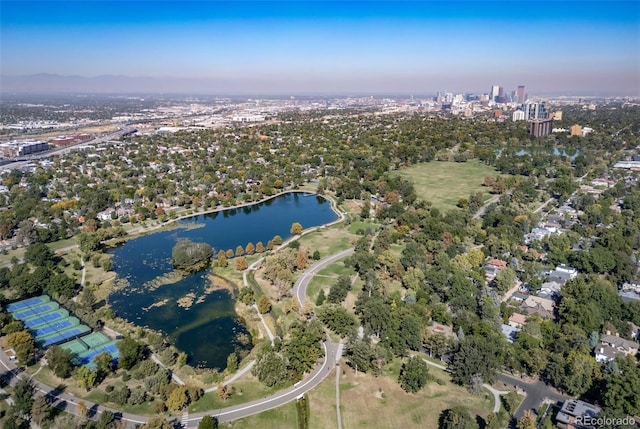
pixel 322 403
pixel 284 417
pixel 245 390
pixel 379 402
pixel 325 278
pixel 328 241
pixel 444 183
pixel 359 225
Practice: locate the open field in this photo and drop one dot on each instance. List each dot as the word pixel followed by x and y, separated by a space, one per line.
pixel 379 402
pixel 443 183
pixel 283 417
pixel 326 278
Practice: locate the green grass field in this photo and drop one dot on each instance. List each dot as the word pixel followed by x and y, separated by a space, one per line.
pixel 443 183
pixel 283 417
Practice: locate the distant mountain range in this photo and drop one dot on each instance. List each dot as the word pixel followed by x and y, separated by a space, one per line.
pixel 53 83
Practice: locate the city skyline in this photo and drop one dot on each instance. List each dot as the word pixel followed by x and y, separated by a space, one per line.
pixel 324 47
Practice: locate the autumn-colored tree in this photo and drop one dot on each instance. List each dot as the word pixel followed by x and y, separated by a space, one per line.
pixel 270 245
pixel 249 249
pixel 90 225
pixel 488 181
pixel 230 253
pixel 296 228
pixel 239 251
pixel 259 247
pixel 178 398
pixel 241 264
pixel 301 260
pixel 277 240
pixel 23 344
pixel 222 259
pixel 223 392
pixel 264 304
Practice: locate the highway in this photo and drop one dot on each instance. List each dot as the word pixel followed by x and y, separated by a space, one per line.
pixel 22 161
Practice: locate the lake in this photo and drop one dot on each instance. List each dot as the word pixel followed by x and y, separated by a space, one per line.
pixel 209 330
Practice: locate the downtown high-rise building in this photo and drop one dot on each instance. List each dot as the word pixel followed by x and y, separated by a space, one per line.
pixel 495 92
pixel 520 96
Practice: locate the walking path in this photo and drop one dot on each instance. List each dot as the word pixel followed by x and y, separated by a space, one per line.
pixel 338 410
pixel 495 392
pixel 174 377
pixel 264 323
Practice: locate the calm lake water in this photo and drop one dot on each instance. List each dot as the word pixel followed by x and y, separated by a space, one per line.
pixel 208 331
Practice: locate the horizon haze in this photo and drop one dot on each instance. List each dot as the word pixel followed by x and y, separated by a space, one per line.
pixel 586 48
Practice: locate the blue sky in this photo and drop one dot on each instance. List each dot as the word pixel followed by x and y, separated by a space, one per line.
pixel 412 47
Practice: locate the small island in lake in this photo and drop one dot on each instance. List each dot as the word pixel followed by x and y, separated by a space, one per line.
pixel 190 256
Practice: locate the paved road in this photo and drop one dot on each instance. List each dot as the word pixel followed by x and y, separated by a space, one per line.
pixel 537 391
pixel 332 356
pixel 300 287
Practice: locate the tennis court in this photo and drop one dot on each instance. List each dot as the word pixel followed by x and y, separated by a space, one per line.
pixel 95 340
pixel 56 326
pixel 43 319
pixel 76 346
pixel 86 358
pixel 35 310
pixel 30 302
pixel 62 336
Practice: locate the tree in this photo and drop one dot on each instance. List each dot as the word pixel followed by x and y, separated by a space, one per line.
pixel 622 388
pixel 23 344
pixel 178 398
pixel 296 228
pixel 413 375
pixel 223 392
pixel 232 363
pixel 250 249
pixel 528 421
pixel 301 260
pixel 476 355
pixel 157 422
pixel 456 418
pixel 208 422
pixel 86 377
pixel 239 251
pixel 189 256
pixel 510 402
pixel 241 263
pixel 270 368
pixel 131 352
pixel 41 410
pixel 38 254
pixel 60 361
pixel 104 364
pixel 264 304
pixel 23 394
pixel 107 420
pixel 222 259
pixel 276 240
pixel 316 255
pixel 321 297
pixel 338 319
pixel 259 247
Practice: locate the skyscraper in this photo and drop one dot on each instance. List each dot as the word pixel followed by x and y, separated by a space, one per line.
pixel 495 92
pixel 520 94
pixel 535 111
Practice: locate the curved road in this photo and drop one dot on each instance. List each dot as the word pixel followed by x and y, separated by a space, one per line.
pixel 300 287
pixel 333 352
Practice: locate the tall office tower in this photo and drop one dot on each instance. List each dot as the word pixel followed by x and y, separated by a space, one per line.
pixel 520 94
pixel 495 92
pixel 535 111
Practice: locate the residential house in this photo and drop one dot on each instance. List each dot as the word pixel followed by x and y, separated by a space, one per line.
pixel 517 320
pixel 577 414
pixel 612 346
pixel 630 291
pixel 538 305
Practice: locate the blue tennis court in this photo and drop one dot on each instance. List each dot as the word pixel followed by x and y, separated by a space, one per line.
pixel 86 358
pixel 36 310
pixel 46 318
pixel 30 302
pixel 58 325
pixel 62 336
